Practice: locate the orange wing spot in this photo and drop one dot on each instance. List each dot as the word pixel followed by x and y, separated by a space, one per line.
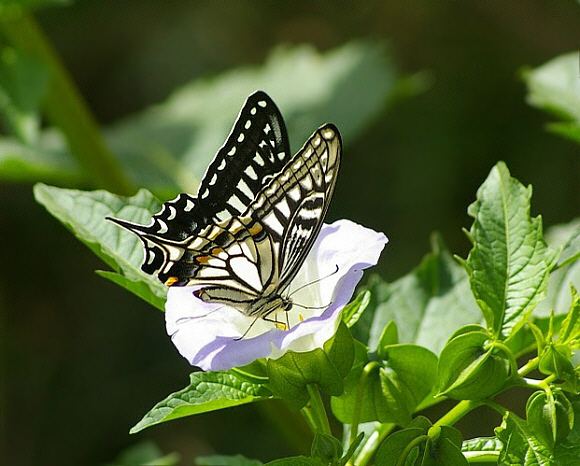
pixel 216 251
pixel 171 280
pixel 203 259
pixel 255 229
pixel 280 326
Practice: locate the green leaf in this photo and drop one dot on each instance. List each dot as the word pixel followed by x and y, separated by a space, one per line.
pixel 568 451
pixel 353 311
pixel 23 81
pixel 390 336
pixel 290 374
pixel 145 453
pixel 510 263
pixel 393 389
pixel 520 446
pixel 207 391
pixel 468 371
pixel 555 87
pixel 84 214
pixel 482 444
pixel 445 450
pixel 326 448
pixel 395 444
pixel 169 146
pixel 570 329
pixel 567 238
pixel 223 460
pixel 555 359
pixel 550 417
pixel 297 461
pixel 427 305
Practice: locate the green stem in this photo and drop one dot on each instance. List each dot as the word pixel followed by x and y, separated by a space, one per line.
pixel 457 412
pixel 371 445
pixel 318 410
pixel 528 367
pixel 570 259
pixel 496 407
pixel 64 105
pixel 370 367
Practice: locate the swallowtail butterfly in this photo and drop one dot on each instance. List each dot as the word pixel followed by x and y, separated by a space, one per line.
pixel 256 215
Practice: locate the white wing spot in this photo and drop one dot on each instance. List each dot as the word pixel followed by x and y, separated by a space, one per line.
pixel 188 205
pixel 308 153
pixel 162 226
pixel 306 183
pixel 267 128
pixel 316 141
pixel 248 124
pixel 235 202
pixel 251 173
pixel 241 137
pixel 297 164
pixel 172 213
pixel 222 165
pixel 294 193
pixel 259 160
pixel 253 111
pixel 281 155
pixel 262 103
pixel 205 193
pixel 283 207
pixel 328 134
pixel 272 221
pixel 232 151
pixel 213 179
pixel 246 270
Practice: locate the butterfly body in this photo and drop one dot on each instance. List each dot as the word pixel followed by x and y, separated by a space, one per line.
pixel 245 236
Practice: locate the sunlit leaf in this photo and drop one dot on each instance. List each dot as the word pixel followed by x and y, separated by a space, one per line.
pixel 207 391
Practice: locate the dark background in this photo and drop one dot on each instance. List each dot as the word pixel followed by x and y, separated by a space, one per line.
pixel 82 360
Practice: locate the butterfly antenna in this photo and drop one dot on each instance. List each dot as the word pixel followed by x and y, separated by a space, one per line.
pixel 247 330
pixel 315 281
pixel 311 307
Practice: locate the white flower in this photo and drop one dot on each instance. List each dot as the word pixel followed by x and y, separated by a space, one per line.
pixel 208 334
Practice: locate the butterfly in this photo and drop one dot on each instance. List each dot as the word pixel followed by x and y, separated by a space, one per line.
pixel 255 218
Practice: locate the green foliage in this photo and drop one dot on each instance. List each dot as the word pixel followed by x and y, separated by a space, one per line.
pixel 84 214
pixel 401 346
pixel 293 372
pixel 510 263
pixel 555 87
pixel 207 391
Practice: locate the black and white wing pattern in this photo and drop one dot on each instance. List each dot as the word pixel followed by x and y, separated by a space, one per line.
pixel 248 261
pixel 254 152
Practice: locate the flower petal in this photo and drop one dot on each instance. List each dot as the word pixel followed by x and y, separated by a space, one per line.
pixel 208 334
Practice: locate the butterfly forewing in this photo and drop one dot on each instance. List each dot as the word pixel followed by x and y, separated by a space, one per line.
pixel 256 149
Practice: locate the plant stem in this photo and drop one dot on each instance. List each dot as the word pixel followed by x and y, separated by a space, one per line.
pixel 409 447
pixel 529 366
pixel 64 105
pixel 370 367
pixel 318 411
pixel 477 457
pixel 457 412
pixel 371 445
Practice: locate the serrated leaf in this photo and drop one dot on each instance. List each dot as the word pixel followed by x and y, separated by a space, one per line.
pixel 224 460
pixel 84 213
pixel 207 391
pixel 428 304
pixel 520 447
pixel 509 264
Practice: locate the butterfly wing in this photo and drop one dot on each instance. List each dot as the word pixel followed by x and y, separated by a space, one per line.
pixel 247 261
pixel 292 207
pixel 256 149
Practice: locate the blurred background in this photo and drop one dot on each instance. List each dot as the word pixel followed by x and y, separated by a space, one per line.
pixel 82 360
